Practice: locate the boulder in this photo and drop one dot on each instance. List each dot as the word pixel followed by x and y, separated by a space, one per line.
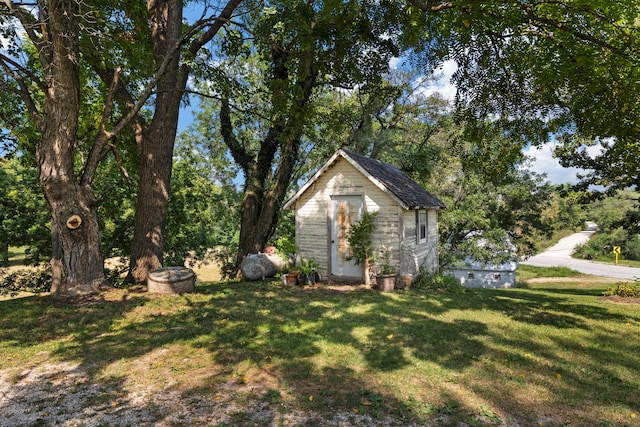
pixel 259 266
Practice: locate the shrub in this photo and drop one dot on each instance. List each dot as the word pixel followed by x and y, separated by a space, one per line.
pixel 437 282
pixel 631 248
pixel 225 255
pixel 359 237
pixel 601 244
pixel 33 280
pixel 625 289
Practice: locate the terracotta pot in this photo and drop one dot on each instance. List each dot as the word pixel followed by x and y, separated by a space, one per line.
pixel 292 278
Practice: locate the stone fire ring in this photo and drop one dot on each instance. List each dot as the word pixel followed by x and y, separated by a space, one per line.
pixel 171 280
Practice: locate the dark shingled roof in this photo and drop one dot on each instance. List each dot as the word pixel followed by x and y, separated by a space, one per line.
pixel 393 179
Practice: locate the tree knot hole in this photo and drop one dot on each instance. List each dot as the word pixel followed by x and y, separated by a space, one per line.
pixel 73 222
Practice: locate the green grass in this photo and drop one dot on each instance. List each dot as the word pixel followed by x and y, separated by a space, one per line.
pixel 611 259
pixel 17 256
pixel 554 354
pixel 526 272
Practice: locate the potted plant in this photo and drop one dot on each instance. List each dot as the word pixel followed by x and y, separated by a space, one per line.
pixel 386 278
pixel 359 238
pixel 308 272
pixel 291 276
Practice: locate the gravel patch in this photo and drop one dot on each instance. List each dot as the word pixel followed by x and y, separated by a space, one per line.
pixel 66 394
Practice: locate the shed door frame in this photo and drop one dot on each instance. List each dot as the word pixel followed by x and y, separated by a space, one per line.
pixel 344 210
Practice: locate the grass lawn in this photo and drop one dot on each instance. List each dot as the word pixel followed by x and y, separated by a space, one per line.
pixel 552 354
pixel 16 256
pixel 610 259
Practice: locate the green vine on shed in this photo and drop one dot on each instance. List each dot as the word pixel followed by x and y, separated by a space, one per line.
pixel 359 238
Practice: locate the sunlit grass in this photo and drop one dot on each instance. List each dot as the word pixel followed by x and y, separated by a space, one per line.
pixel 526 272
pixel 610 259
pixel 554 353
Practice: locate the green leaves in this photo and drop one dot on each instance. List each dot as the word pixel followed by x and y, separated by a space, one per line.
pixel 204 205
pixel 359 238
pixel 542 69
pixel 24 220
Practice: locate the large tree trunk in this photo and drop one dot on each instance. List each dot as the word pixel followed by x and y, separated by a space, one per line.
pixel 156 139
pixel 156 148
pixel 77 264
pixel 257 221
pixel 263 197
pixel 265 190
pixel 153 198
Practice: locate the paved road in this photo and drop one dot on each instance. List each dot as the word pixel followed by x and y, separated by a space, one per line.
pixel 559 255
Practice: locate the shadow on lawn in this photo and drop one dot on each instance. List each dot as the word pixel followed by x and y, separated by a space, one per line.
pixel 271 325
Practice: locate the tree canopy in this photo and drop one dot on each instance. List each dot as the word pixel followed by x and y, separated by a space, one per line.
pixel 546 69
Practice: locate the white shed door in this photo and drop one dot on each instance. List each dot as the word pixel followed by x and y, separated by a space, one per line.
pixel 345 211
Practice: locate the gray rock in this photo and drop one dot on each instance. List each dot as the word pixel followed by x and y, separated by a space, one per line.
pixel 259 266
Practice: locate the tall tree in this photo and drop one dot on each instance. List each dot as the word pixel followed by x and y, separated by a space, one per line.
pixel 156 138
pixel 76 262
pixel 546 69
pixel 64 37
pixel 157 141
pixel 49 88
pixel 276 61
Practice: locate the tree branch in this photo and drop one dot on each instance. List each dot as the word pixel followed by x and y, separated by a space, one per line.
pixel 239 153
pixel 431 6
pixel 567 28
pixel 22 91
pixel 218 22
pixel 6 62
pixel 124 94
pixel 114 150
pixel 30 25
pixel 103 136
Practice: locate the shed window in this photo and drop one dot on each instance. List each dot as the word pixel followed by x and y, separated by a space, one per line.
pixel 422 226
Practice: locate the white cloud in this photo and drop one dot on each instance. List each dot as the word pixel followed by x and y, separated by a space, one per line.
pixel 443 84
pixel 544 162
pixel 438 82
pixel 442 81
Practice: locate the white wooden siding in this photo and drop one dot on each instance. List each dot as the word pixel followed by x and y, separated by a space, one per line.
pixel 395 227
pixel 312 211
pixel 414 254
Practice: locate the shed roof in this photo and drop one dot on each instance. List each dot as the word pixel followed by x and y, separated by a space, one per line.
pixel 408 193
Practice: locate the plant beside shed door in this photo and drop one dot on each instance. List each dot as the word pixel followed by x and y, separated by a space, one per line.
pixel 345 210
